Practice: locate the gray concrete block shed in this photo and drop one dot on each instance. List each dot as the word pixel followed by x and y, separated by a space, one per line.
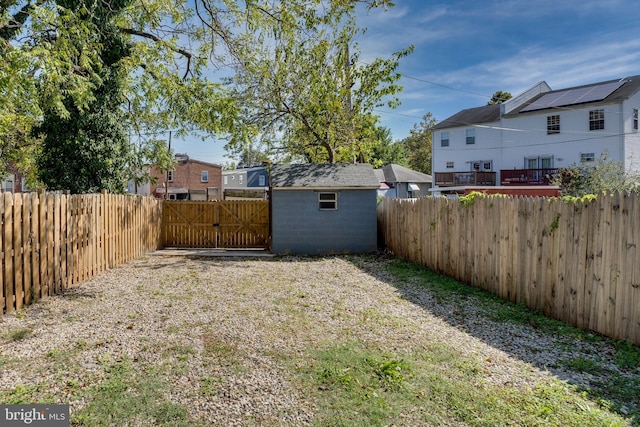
pixel 323 209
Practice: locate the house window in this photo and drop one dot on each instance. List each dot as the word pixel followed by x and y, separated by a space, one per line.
pixel 481 165
pixel 170 176
pixel 635 119
pixel 449 165
pixel 225 180
pixel 204 176
pixel 239 179
pixel 262 181
pixel 596 119
pixel 587 157
pixel 471 136
pixel 553 124
pixel 542 162
pixel 444 139
pixel 328 201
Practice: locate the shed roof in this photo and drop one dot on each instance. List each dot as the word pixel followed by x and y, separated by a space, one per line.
pixel 395 173
pixel 337 175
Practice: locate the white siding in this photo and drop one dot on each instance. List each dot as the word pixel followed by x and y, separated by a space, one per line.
pixel 509 142
pixel 487 147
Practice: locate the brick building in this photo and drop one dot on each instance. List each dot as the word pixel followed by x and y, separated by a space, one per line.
pixel 190 180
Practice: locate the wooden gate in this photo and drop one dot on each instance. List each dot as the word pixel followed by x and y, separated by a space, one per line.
pixel 220 224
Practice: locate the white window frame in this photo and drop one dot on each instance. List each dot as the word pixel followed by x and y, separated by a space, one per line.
pixel 444 139
pixel 262 181
pixel 539 162
pixel 587 157
pixel 204 176
pixel 170 176
pixel 327 201
pixel 471 136
pixel 553 124
pixel 596 119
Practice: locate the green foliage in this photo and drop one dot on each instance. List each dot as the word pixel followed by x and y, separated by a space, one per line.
pixel 306 94
pixel 385 151
pixel 284 75
pixel 470 199
pixel 418 145
pixel 499 97
pixel 603 175
pixel 87 150
pixel 555 224
pixel 627 355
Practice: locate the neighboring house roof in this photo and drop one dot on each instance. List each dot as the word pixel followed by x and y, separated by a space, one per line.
pixel 189 160
pixel 471 116
pixel 309 176
pixel 607 92
pixel 395 173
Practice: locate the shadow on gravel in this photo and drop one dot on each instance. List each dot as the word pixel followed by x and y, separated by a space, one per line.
pixel 590 362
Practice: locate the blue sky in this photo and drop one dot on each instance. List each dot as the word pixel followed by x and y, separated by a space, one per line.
pixel 466 50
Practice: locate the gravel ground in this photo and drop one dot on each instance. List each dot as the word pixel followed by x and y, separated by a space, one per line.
pixel 168 311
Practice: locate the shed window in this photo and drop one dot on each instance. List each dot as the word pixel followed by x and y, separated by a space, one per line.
pixel 328 201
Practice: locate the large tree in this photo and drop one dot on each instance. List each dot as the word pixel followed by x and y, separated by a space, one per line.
pixel 418 145
pixel 87 150
pixel 307 95
pixel 299 49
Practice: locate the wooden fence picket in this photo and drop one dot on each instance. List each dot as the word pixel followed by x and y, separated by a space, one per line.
pixel 576 262
pixel 51 241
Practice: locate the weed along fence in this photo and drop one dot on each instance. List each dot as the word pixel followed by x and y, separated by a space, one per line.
pixel 576 262
pixel 51 241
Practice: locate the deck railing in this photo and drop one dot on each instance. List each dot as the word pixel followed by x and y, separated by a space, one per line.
pixel 527 176
pixel 451 179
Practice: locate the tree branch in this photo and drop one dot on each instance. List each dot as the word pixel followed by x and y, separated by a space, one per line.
pixel 157 39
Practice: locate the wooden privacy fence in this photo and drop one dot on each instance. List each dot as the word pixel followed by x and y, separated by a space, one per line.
pixel 220 224
pixel 49 242
pixel 576 262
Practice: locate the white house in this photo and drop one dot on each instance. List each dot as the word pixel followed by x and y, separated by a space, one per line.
pixel 527 138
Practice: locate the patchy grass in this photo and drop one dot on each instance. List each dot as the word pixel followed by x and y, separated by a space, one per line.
pixel 128 396
pixel 344 364
pixel 611 389
pixel 18 334
pixel 355 385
